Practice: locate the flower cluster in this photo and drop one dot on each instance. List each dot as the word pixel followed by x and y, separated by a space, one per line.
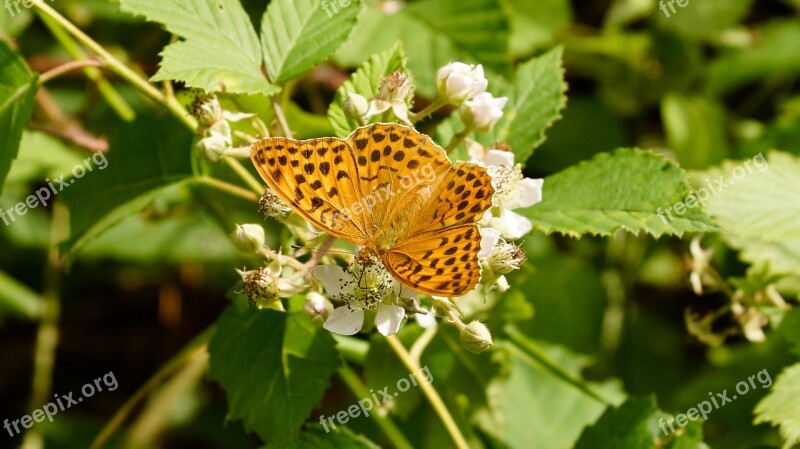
pixel 214 127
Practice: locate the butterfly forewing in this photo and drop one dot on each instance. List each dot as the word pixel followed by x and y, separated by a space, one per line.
pixel 316 178
pixel 397 167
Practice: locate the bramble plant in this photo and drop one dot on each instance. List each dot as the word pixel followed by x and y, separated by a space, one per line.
pixel 326 200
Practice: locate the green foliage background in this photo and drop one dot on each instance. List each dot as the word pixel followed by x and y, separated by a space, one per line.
pixel 621 109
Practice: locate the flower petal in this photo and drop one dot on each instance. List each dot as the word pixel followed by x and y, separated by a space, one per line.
pixel 511 224
pixel 489 238
pixel 528 192
pixel 388 319
pixel 426 321
pixel 334 279
pixel 499 158
pixel 345 321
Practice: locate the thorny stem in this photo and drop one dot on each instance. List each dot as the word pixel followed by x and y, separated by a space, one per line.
pixel 428 110
pixel 413 365
pixel 387 426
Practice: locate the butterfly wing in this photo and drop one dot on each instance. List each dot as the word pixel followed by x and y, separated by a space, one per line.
pixel 397 167
pixel 461 197
pixel 317 178
pixel 438 255
pixel 441 263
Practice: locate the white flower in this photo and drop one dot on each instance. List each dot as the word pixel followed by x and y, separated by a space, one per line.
pixel 393 94
pixel 498 257
pixel 458 82
pixel 362 288
pixel 512 191
pixel 482 111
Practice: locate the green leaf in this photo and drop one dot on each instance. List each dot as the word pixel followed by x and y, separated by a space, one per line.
pixel 220 50
pixel 299 34
pixel 536 25
pixel 18 85
pixel 146 157
pixel 695 128
pixel 781 408
pixel 634 425
pixel 534 103
pixel 538 407
pixel 316 437
pixel 439 31
pixel 365 81
pixel 273 366
pixel 760 199
pixel 772 54
pixel 624 189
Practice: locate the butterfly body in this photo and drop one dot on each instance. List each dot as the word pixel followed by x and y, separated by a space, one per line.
pixel 392 191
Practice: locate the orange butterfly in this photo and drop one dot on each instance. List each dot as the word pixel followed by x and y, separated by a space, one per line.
pixel 392 191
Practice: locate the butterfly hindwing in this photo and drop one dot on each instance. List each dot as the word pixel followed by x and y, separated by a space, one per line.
pixel 441 263
pixel 462 196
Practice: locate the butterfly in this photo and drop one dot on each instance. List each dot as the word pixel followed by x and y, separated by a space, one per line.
pixel 392 191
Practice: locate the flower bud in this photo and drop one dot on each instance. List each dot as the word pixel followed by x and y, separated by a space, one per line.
pixel 248 238
pixel 213 147
pixel 270 205
pixel 476 337
pixel 482 112
pixel 355 105
pixel 317 306
pixel 207 110
pixel 458 82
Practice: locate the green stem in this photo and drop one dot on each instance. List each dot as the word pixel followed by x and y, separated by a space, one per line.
pixel 387 426
pixel 116 66
pixel 435 400
pixel 245 175
pixel 276 105
pixel 198 345
pixel 228 188
pixel 47 335
pixel 107 90
pixel 55 72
